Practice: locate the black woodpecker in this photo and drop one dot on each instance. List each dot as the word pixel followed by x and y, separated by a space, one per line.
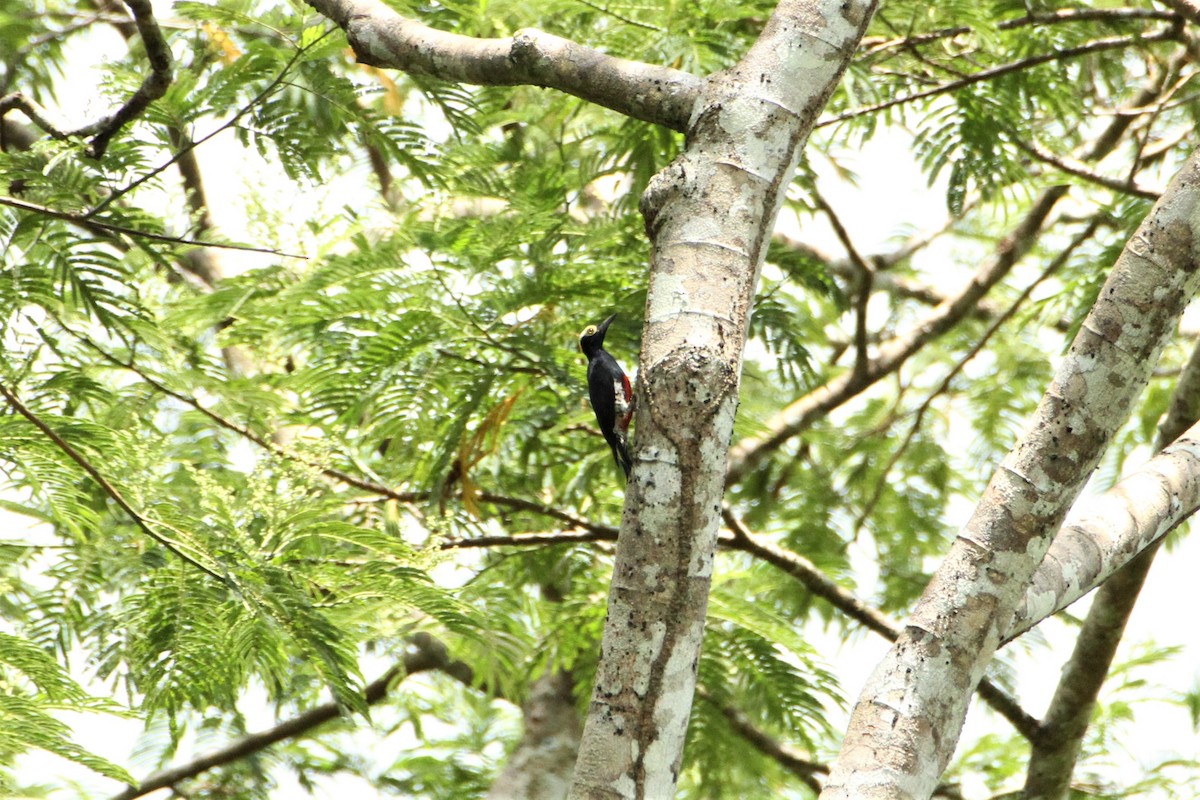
pixel 610 391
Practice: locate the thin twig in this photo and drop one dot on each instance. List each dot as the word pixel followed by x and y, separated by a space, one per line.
pixel 862 288
pixel 37 114
pixel 622 18
pixel 822 586
pixel 231 122
pixel 89 220
pixel 596 533
pixel 1098 46
pixel 424 653
pixel 104 484
pixel 1066 15
pixel 785 755
pixel 1072 167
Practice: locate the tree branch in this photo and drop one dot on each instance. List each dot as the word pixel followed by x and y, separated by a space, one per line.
pixel 792 759
pixel 965 611
pixel 539 539
pixel 1098 46
pixel 107 487
pixel 37 114
pixel 891 355
pixel 423 653
pixel 90 221
pixel 1072 167
pixel 229 123
pixel 598 532
pixel 382 38
pixel 1108 531
pixel 863 280
pixel 807 573
pixel 1054 754
pixel 154 85
pixel 158 53
pixel 751 451
pixel 1188 9
pixel 976 349
pixel 1064 15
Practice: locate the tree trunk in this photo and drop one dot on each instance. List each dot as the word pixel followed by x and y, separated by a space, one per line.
pixel 907 721
pixel 710 216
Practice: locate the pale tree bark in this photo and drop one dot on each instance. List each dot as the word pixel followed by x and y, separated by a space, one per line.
pixel 906 723
pixel 541 766
pixel 1109 530
pixel 709 216
pixel 382 38
pixel 1056 748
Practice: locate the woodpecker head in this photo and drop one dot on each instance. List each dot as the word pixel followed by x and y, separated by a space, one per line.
pixel 592 338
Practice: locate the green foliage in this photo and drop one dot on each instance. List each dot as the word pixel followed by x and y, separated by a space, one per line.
pixel 35 687
pixel 307 461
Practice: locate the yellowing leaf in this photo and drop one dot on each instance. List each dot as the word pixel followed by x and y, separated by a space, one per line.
pixel 220 42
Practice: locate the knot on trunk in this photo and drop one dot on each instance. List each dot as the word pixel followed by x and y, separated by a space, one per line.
pixel 687 387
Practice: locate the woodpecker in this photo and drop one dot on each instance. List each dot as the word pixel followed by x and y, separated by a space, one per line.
pixel 610 392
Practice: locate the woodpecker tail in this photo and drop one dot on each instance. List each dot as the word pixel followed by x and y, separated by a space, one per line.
pixel 620 451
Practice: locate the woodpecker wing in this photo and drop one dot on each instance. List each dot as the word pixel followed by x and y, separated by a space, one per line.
pixel 612 401
pixel 601 382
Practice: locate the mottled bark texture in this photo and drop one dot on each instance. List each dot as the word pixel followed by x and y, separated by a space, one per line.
pixel 709 216
pixel 1056 747
pixel 907 721
pixel 1109 530
pixel 382 38
pixel 540 768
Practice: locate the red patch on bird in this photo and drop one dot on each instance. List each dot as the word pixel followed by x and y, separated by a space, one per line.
pixel 624 420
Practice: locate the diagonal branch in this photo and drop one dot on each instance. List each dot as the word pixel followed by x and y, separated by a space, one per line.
pixel 1060 16
pixel 37 114
pixel 106 486
pixel 266 92
pixel 1054 754
pixel 751 451
pixel 424 653
pixel 817 582
pixel 382 38
pixel 158 53
pixel 965 611
pixel 792 759
pixel 154 86
pixel 91 222
pixel 976 349
pixel 1109 530
pixel 1072 167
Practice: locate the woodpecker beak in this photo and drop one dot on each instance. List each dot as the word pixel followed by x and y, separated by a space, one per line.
pixel 603 326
